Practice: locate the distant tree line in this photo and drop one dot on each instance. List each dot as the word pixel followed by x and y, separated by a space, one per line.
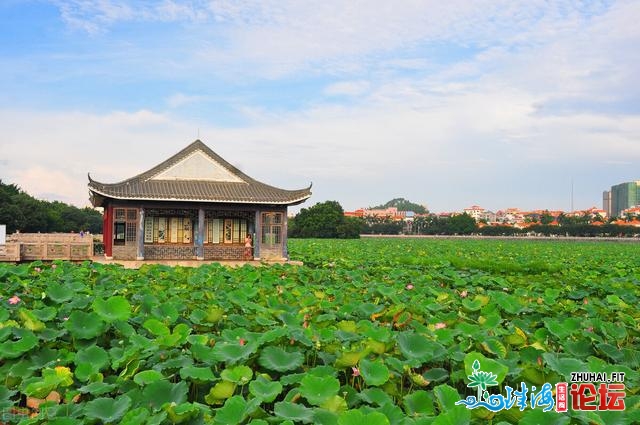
pixel 22 212
pixel 327 220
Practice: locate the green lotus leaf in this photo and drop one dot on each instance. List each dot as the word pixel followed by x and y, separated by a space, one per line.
pixel 23 341
pixel 167 312
pixel 564 366
pixel 45 314
pixel 220 391
pixel 493 346
pixel 537 416
pixel 179 413
pixel 83 325
pixel 436 374
pixel 446 398
pixel 59 293
pixel 64 421
pixel 275 358
pixel 4 314
pixel 293 412
pixel 232 352
pixel 156 327
pixel 318 389
pixel 356 417
pixel 334 404
pixel 238 374
pixel 214 314
pixel 114 308
pixel 135 417
pixel 93 359
pixel 97 388
pixel 375 396
pixel 265 390
pixel 147 377
pixel 233 411
pixel 157 393
pixel 420 349
pixel 419 402
pixel 5 397
pixel 30 321
pixel 199 374
pixel 374 373
pixel 107 409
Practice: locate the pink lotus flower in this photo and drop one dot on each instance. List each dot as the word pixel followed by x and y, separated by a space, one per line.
pixel 53 266
pixel 440 325
pixel 356 371
pixel 37 269
pixel 464 293
pixel 14 300
pixel 409 286
pixel 242 341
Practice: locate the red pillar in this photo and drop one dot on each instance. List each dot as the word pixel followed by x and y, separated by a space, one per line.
pixel 107 231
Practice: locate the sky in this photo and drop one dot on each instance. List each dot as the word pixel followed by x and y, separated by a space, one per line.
pixel 498 103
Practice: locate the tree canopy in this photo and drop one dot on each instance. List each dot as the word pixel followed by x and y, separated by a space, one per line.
pixel 20 211
pixel 402 205
pixel 324 220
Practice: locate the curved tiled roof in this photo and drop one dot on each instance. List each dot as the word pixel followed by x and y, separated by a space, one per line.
pixel 222 182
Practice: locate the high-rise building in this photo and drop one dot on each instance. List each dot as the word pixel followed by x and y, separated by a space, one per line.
pixel 606 202
pixel 623 196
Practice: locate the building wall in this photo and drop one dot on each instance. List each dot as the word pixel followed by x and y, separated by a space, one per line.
pixel 606 202
pixel 223 252
pixel 124 252
pixel 623 196
pixel 171 251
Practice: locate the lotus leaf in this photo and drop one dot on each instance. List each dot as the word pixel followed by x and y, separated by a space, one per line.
pixel 59 293
pixel 114 308
pixel 23 340
pixel 356 417
pixel 375 373
pixel 199 374
pixel 275 358
pixel 318 389
pixel 293 412
pixel 264 389
pixel 238 374
pixel 83 325
pixel 157 393
pixel 107 409
pixel 220 391
pixel 147 377
pixel 418 349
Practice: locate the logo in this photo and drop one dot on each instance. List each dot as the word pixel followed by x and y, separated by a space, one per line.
pixel 588 391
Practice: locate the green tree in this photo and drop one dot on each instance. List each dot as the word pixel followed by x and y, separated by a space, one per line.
pixel 402 205
pixel 323 220
pixel 546 218
pixel 20 211
pixel 462 224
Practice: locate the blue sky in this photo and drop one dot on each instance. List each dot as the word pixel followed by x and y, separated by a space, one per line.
pixel 496 103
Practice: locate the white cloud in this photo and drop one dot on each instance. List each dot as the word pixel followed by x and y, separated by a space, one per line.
pixel 177 100
pixel 347 88
pixel 460 96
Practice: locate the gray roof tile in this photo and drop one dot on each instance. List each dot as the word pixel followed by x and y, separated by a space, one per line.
pixel 148 186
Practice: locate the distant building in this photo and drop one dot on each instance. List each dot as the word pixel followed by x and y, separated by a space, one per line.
pixel 606 201
pixel 480 214
pixel 623 196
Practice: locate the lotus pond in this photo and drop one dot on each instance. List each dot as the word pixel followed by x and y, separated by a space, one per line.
pixel 373 331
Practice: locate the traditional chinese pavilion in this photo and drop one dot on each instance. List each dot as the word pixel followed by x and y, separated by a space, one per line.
pixel 194 205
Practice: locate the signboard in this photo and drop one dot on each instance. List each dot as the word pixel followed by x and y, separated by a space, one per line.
pixel 3 234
